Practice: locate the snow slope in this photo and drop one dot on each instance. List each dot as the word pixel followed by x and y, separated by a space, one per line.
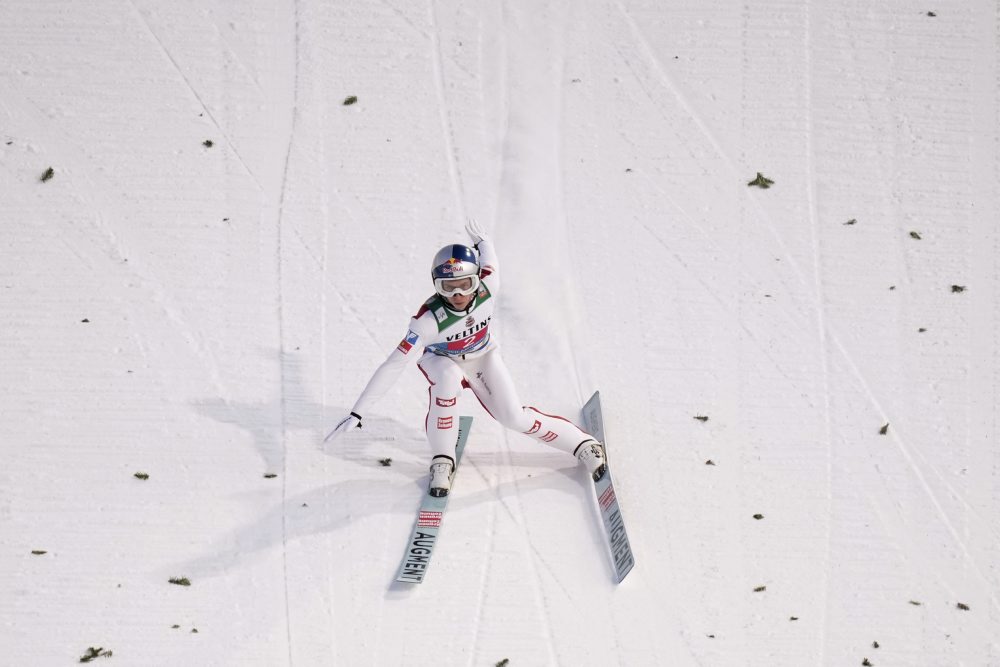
pixel 205 313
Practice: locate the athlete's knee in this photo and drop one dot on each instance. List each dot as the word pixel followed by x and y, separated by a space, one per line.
pixel 515 418
pixel 444 375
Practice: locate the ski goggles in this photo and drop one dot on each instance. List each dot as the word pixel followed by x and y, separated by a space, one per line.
pixel 457 286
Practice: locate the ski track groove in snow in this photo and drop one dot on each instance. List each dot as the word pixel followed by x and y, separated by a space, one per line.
pixel 518 517
pixel 484 576
pixel 982 385
pixel 530 551
pixel 194 93
pixel 330 606
pixel 509 143
pixel 821 328
pixel 573 325
pixel 240 60
pixel 407 21
pixel 347 302
pixel 282 226
pixel 447 130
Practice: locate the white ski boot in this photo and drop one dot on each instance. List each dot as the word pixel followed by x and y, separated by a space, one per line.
pixel 442 470
pixel 591 455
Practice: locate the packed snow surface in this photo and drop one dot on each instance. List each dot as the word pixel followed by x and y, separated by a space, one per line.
pixel 799 381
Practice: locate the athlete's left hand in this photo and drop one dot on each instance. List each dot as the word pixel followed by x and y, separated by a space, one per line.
pixel 346 424
pixel 475 231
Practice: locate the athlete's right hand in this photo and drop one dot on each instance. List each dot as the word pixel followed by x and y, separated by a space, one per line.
pixel 349 422
pixel 475 231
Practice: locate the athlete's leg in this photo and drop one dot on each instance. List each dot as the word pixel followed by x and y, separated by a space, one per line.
pixel 445 378
pixel 489 378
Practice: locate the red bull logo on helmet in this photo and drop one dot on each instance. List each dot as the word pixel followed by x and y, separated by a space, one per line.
pixel 451 266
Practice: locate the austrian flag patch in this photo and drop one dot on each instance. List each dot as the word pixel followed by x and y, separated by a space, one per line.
pixel 607 498
pixel 428 519
pixel 408 342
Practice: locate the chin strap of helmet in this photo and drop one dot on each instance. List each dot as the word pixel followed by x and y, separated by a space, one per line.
pixel 447 304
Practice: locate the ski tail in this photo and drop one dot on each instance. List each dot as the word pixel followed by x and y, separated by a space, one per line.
pixel 420 546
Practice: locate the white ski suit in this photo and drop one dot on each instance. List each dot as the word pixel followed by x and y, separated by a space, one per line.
pixel 459 351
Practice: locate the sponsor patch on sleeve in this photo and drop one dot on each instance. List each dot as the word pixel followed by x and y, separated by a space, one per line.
pixel 408 342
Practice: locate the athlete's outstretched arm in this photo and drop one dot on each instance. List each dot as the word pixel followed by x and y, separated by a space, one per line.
pixel 384 377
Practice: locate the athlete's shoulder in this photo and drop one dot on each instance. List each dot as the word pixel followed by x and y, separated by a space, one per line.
pixel 428 306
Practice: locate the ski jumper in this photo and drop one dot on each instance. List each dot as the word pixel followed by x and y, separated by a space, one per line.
pixel 459 351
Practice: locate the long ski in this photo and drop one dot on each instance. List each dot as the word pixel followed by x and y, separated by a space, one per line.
pixel 425 532
pixel 604 489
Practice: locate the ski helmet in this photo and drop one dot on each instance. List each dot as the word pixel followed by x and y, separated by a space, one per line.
pixel 453 263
